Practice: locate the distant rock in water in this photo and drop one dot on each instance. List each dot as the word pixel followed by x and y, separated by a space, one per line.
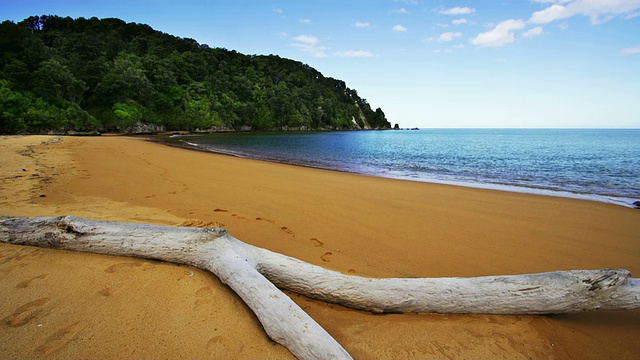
pixel 636 204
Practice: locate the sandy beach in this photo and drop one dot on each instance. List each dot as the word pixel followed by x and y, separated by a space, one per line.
pixel 66 305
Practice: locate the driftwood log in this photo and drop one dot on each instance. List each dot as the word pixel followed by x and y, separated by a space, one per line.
pixel 256 275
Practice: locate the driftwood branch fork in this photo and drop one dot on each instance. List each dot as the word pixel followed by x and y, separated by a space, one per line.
pixel 257 275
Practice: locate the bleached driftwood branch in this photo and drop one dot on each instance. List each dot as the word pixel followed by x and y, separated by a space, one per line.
pixel 255 275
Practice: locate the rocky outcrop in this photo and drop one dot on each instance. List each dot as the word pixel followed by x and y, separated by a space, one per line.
pixel 140 128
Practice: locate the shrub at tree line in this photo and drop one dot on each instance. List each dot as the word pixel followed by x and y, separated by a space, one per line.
pixel 60 74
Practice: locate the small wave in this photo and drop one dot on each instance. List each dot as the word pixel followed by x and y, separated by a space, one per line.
pixel 190 143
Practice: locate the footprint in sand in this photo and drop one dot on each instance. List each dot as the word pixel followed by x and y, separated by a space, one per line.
pixel 29 282
pixel 259 219
pixel 60 339
pixel 220 210
pixel 18 256
pixel 106 292
pixel 317 242
pixel 205 297
pixel 229 345
pixel 287 231
pixel 26 313
pixel 117 267
pixel 326 257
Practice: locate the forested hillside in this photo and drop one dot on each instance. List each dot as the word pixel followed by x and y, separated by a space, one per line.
pixel 61 74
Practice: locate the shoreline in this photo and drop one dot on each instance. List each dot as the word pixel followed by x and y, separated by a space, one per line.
pixel 615 200
pixel 62 305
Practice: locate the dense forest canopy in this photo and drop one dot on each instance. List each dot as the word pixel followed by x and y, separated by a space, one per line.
pixel 61 74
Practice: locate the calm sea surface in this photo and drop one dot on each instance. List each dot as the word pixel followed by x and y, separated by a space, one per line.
pixel 602 165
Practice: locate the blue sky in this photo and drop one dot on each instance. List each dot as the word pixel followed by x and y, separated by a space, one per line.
pixel 503 63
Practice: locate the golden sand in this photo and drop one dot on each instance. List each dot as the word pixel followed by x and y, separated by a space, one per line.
pixel 63 305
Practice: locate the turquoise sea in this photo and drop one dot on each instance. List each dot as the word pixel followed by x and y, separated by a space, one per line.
pixel 601 165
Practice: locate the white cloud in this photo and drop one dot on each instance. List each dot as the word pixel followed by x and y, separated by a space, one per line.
pixel 458 11
pixel 552 1
pixel 362 24
pixel 533 32
pixel 305 21
pixel 632 15
pixel 460 21
pixel 598 10
pixel 412 2
pixel 311 45
pixel 442 51
pixel 400 11
pixel 552 13
pixel 307 39
pixel 354 53
pixel 630 51
pixel 449 36
pixel 501 35
pixel 279 11
pixel 399 28
pixel 458 46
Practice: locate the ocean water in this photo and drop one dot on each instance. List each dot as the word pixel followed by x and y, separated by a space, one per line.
pixel 601 165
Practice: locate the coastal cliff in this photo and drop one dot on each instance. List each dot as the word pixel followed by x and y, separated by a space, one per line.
pixel 59 74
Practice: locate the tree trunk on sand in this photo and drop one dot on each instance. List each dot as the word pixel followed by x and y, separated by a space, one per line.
pixel 256 275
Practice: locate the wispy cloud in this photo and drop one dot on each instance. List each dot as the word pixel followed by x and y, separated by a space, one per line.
pixel 399 28
pixel 400 11
pixel 599 11
pixel 307 39
pixel 354 53
pixel 533 32
pixel 632 15
pixel 305 21
pixel 449 36
pixel 457 11
pixel 630 50
pixel 552 1
pixel 460 21
pixel 362 24
pixel 311 45
pixel 502 34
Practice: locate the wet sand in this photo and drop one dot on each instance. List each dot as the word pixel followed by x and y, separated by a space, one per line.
pixel 58 304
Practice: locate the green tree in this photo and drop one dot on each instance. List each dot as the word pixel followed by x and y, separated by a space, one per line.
pixel 126 80
pixel 128 113
pixel 13 106
pixel 54 82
